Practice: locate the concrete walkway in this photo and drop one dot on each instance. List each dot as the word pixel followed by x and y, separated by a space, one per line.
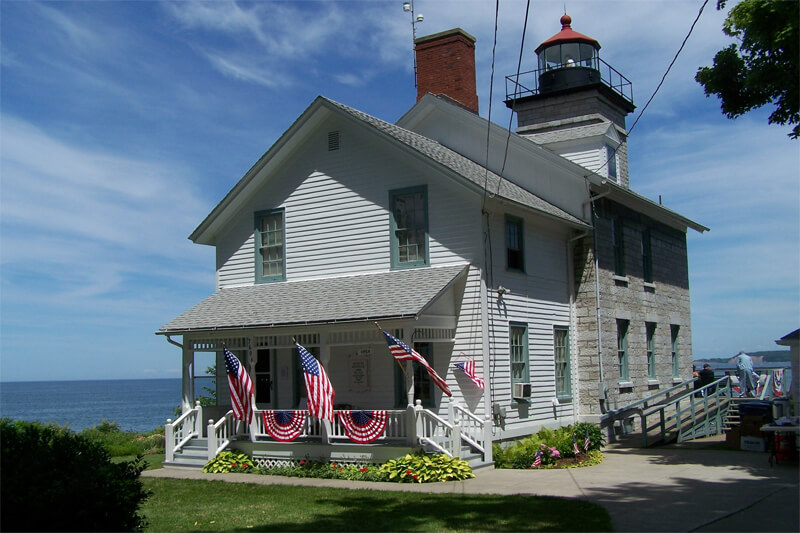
pixel 685 487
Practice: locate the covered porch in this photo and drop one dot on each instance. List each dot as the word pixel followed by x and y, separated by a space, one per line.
pixel 335 320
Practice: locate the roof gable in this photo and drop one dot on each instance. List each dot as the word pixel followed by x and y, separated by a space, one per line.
pixel 466 171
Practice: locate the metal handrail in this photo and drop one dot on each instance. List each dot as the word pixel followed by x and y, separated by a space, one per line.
pixel 609 76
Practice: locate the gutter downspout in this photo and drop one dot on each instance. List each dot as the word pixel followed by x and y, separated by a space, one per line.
pixel 602 390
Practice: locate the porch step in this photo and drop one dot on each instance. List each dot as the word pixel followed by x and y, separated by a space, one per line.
pixel 194 455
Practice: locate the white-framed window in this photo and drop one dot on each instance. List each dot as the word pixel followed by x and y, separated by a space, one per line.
pixel 561 357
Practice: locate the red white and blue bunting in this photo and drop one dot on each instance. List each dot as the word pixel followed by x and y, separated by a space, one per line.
pixel 363 426
pixel 284 426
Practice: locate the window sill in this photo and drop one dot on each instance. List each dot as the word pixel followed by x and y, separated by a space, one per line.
pixel 621 280
pixel 651 381
pixel 649 286
pixel 562 399
pixel 625 384
pixel 676 381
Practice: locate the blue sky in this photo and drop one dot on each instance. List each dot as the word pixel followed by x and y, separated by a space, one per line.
pixel 124 123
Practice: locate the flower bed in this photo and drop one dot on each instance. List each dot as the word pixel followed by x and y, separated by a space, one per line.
pixel 565 447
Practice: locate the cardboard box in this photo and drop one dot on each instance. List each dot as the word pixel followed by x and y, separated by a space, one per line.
pixel 753 444
pixel 733 439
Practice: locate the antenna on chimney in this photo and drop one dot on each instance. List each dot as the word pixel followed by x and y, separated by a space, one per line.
pixel 408 7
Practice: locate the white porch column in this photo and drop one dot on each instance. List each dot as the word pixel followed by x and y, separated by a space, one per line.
pixel 408 365
pixel 187 383
pixel 325 428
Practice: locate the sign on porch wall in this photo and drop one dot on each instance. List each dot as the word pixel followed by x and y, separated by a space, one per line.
pixel 359 370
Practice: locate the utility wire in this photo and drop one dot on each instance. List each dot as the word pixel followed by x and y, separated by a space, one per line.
pixel 491 93
pixel 513 102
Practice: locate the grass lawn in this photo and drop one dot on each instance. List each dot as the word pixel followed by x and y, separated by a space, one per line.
pixel 151 460
pixel 190 505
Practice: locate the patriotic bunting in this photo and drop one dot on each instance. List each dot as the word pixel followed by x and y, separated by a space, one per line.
pixel 469 369
pixel 586 441
pixel 363 426
pixel 284 426
pixel 241 388
pixel 318 386
pixel 402 352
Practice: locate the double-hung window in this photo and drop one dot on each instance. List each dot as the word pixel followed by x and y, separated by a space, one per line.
pixel 269 242
pixel 676 368
pixel 515 249
pixel 409 227
pixel 561 353
pixel 650 328
pixel 518 349
pixel 622 349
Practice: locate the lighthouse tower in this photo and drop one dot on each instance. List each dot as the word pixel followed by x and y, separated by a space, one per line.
pixel 575 104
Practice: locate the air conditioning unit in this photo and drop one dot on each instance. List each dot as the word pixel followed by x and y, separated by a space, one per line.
pixel 522 390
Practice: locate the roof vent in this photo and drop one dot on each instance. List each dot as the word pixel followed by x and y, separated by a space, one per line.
pixel 333 141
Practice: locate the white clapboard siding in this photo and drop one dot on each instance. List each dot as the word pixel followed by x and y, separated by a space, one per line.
pixel 538 298
pixel 337 213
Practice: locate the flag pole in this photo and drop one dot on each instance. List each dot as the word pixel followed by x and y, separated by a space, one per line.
pixel 393 357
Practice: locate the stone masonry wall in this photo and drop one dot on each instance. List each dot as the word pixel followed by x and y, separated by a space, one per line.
pixel 664 302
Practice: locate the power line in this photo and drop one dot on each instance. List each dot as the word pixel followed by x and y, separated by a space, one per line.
pixel 664 77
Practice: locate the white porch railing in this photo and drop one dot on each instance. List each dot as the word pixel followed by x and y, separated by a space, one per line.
pixel 413 426
pixel 185 428
pixel 437 433
pixel 473 429
pixel 220 433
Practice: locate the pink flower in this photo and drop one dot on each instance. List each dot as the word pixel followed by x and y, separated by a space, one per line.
pixel 556 453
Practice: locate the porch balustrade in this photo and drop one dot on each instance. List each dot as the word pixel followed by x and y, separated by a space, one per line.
pixel 186 427
pixel 413 426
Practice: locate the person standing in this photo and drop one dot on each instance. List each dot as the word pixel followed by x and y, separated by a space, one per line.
pixel 744 369
pixel 706 377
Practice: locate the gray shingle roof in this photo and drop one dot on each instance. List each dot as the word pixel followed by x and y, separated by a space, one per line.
pixel 402 293
pixel 568 134
pixel 472 171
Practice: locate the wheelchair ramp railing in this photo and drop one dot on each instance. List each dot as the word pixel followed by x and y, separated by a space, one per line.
pixel 679 414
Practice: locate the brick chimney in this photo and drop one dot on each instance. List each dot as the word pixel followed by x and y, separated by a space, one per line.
pixel 446 66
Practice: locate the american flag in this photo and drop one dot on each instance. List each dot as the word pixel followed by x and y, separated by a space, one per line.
pixel 537 460
pixel 402 352
pixel 318 386
pixel 469 369
pixel 575 445
pixel 587 441
pixel 241 388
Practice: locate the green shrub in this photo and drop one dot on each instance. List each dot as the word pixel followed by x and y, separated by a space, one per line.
pixel 522 453
pixel 426 468
pixel 230 461
pixel 119 443
pixel 54 480
pixel 596 440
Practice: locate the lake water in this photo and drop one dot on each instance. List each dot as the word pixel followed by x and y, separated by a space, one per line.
pixel 135 404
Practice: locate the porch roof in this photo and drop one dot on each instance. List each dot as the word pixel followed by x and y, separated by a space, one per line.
pixel 381 296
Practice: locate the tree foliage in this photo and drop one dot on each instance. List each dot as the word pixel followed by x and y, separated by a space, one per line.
pixel 763 67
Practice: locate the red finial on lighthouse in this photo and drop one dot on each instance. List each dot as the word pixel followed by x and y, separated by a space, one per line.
pixel 566 20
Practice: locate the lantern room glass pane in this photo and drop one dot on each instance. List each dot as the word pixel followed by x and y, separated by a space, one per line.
pixel 570 54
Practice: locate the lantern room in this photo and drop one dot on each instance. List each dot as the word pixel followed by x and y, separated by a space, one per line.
pixel 568 59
